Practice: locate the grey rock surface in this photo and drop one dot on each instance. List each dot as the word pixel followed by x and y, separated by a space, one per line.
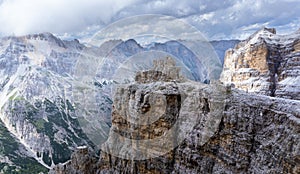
pixel 45 85
pixel 265 63
pixel 233 131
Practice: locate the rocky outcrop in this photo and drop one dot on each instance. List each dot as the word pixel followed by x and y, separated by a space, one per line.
pixel 43 77
pixel 189 127
pixel 265 63
pixel 82 161
pixel 163 70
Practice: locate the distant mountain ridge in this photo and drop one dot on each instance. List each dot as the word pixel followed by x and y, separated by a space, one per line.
pixel 39 106
pixel 248 122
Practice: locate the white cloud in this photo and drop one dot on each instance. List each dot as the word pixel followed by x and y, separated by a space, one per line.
pixel 245 17
pixel 150 26
pixel 28 16
pixel 216 19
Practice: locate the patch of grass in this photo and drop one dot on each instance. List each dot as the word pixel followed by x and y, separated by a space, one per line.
pixel 39 124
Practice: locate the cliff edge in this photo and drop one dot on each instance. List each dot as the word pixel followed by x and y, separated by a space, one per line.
pixel 165 124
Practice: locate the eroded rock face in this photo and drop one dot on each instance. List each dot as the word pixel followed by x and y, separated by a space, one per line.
pixel 228 131
pixel 163 70
pixel 82 161
pixel 265 63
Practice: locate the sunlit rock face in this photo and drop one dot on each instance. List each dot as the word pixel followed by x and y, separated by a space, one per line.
pixel 265 63
pixel 229 131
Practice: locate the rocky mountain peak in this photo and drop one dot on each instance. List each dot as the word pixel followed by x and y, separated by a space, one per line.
pixel 265 63
pixel 225 130
pixel 163 70
pixel 271 30
pixel 161 126
pixel 41 36
pixel 264 31
pixel 40 74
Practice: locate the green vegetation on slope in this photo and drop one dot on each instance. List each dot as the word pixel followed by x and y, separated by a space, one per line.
pixel 20 164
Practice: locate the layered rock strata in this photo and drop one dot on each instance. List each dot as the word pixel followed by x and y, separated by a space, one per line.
pixel 265 63
pixel 210 129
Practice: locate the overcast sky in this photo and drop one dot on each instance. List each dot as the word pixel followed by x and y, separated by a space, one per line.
pixel 217 19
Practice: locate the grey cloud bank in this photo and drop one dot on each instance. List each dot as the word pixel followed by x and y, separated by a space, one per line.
pixel 215 19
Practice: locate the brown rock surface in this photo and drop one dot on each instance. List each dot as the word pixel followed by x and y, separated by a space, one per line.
pixel 229 131
pixel 265 63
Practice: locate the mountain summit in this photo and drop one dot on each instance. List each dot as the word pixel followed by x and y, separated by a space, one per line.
pixel 265 63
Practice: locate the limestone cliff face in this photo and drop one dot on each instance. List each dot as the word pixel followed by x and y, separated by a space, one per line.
pixel 265 63
pixel 181 126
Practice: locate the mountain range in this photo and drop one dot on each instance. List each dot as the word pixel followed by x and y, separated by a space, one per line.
pixel 47 86
pixel 56 98
pixel 247 122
